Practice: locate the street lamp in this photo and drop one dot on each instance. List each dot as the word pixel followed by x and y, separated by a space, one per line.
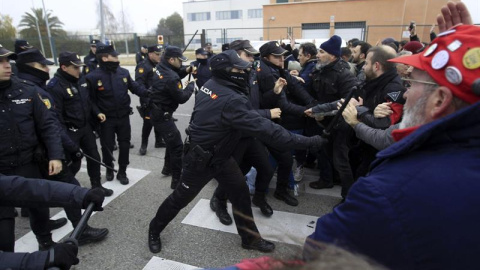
pixel 268 26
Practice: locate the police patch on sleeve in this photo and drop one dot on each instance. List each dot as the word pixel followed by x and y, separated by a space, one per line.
pixel 179 85
pixel 140 70
pixel 47 103
pixel 394 95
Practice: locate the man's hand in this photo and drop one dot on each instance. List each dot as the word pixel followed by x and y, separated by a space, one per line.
pixel 413 30
pixel 95 196
pixel 453 14
pixel 382 110
pixel 300 79
pixel 64 256
pixel 292 42
pixel 191 69
pixel 275 113
pixel 350 115
pixel 309 112
pixel 101 117
pixel 294 72
pixel 279 84
pixel 54 167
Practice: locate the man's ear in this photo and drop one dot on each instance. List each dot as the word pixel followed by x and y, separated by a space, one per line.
pixel 441 102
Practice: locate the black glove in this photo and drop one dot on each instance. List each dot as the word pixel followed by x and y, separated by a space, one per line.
pixel 76 155
pixel 190 86
pixel 62 255
pixel 95 195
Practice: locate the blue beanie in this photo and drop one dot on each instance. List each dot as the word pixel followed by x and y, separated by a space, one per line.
pixel 332 46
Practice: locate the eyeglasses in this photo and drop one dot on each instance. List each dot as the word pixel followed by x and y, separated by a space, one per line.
pixel 419 81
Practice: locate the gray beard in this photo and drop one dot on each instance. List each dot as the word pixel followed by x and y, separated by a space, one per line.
pixel 414 116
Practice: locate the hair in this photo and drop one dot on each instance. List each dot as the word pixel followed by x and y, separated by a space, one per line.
pixel 404 53
pixel 345 51
pixel 393 46
pixel 381 55
pixel 364 47
pixel 352 41
pixel 308 48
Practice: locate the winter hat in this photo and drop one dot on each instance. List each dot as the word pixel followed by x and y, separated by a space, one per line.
pixel 332 46
pixel 413 46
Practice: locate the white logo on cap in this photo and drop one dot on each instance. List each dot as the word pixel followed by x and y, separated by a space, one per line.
pixel 453 74
pixel 440 59
pixel 430 49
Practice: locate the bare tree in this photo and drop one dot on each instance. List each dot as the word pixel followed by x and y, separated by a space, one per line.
pixel 111 24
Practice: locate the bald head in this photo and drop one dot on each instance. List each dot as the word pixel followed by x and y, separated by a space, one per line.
pixel 382 54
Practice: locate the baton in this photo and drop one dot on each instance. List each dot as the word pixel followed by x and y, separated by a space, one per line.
pixel 99 162
pixel 78 230
pixel 328 130
pixel 190 41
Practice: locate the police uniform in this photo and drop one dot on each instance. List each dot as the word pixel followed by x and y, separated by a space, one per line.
pixel 74 112
pixel 90 60
pixel 203 73
pixel 221 115
pixel 144 73
pixel 167 94
pixel 140 56
pixel 25 120
pixel 21 45
pixel 108 89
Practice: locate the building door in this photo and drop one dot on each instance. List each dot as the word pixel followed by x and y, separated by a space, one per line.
pixel 315 30
pixel 349 30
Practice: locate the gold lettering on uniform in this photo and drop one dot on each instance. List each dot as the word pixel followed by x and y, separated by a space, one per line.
pixel 69 91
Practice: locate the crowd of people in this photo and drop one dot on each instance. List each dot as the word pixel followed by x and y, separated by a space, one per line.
pixel 393 123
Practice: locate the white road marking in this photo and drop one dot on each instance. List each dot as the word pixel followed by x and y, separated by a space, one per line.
pixel 28 242
pixel 283 227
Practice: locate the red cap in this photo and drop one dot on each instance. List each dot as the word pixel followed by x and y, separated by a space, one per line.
pixel 413 46
pixel 452 60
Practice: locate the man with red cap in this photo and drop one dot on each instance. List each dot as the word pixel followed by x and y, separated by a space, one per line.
pixel 417 207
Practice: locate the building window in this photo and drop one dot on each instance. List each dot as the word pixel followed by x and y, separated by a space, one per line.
pixel 282 1
pixel 228 15
pixel 255 13
pixel 199 16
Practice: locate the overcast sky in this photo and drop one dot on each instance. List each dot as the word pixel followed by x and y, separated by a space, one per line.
pixel 81 15
pixel 143 15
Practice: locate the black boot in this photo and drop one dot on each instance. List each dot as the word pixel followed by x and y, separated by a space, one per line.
pixel 24 212
pixel 90 235
pixel 109 175
pixel 97 184
pixel 154 242
pixel 259 244
pixel 220 208
pixel 122 176
pixel 284 196
pixel 45 242
pixel 143 150
pixel 159 143
pixel 174 183
pixel 259 200
pixel 54 224
pixel 166 170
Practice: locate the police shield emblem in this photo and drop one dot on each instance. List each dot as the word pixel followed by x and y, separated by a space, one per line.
pixel 69 91
pixel 99 83
pixel 47 103
pixel 179 85
pixel 125 80
pixel 140 70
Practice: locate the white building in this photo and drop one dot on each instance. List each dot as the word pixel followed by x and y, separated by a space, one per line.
pixel 223 20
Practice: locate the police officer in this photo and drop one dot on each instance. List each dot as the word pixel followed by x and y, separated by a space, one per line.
pixel 108 89
pixel 142 54
pixel 74 111
pixel 203 73
pixel 208 48
pixel 222 114
pixel 144 73
pixel 21 45
pixel 167 94
pixel 19 191
pixel 90 60
pixel 24 121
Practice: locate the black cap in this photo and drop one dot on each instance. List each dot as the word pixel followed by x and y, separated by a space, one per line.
pixel 109 49
pixel 31 56
pixel 201 51
pixel 208 44
pixel 22 45
pixel 173 51
pixel 70 58
pixel 228 58
pixel 6 53
pixel 225 47
pixel 243 45
pixel 94 42
pixel 272 47
pixel 155 48
pixel 145 46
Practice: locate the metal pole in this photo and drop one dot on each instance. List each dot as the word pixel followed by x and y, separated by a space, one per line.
pixel 102 23
pixel 49 34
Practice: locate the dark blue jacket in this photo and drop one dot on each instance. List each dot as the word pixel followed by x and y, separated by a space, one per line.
pixel 144 72
pixel 255 96
pixel 91 63
pixel 203 73
pixel 418 207
pixel 223 113
pixel 21 192
pixel 24 121
pixel 306 73
pixel 40 87
pixel 109 91
pixel 167 87
pixel 72 102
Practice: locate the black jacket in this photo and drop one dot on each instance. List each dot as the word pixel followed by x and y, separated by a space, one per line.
pixel 109 91
pixel 91 63
pixel 139 57
pixel 203 73
pixel 167 87
pixel 72 102
pixel 223 113
pixel 294 99
pixel 144 73
pixel 25 120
